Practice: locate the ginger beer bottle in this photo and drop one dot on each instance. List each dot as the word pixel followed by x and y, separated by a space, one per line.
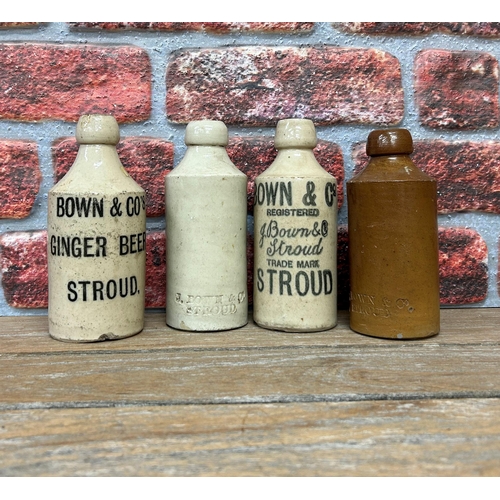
pixel 206 221
pixel 96 242
pixel 393 242
pixel 295 236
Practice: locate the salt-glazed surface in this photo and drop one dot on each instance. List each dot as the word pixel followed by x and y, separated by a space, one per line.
pixel 96 242
pixel 206 230
pixel 295 236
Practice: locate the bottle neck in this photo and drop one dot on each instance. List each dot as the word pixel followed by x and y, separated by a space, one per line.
pixel 298 152
pixel 390 161
pixel 204 149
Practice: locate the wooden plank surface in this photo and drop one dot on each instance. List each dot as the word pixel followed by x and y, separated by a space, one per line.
pixel 252 402
pixel 29 334
pixel 171 367
pixel 381 438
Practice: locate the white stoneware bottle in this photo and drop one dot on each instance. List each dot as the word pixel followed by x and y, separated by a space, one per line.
pixel 295 236
pixel 96 242
pixel 206 216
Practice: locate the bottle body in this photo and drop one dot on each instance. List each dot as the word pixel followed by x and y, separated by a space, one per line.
pixel 206 221
pixel 96 250
pixel 295 242
pixel 393 250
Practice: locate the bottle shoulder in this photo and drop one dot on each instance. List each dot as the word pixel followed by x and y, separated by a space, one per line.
pixel 75 184
pixel 296 163
pixel 97 170
pixel 205 161
pixel 398 168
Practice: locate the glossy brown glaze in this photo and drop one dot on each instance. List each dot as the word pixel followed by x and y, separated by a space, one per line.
pixel 393 243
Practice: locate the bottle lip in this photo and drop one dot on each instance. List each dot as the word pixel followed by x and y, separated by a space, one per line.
pixel 295 132
pixel 389 141
pixel 206 133
pixel 97 129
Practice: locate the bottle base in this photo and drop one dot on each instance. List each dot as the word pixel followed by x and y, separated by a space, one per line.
pixel 394 336
pixel 87 340
pixel 289 329
pixel 182 326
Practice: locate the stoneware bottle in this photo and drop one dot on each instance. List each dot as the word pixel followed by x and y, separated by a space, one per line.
pixel 295 236
pixel 206 221
pixel 393 242
pixel 96 242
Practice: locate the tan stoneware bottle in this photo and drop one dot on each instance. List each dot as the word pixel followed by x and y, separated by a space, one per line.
pixel 393 242
pixel 295 236
pixel 96 242
pixel 206 232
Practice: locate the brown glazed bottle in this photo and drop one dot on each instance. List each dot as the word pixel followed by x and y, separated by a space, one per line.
pixel 393 242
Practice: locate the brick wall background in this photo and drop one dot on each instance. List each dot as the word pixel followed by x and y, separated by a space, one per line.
pixel 439 80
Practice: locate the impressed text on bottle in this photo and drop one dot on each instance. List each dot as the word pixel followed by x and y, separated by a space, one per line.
pixel 210 305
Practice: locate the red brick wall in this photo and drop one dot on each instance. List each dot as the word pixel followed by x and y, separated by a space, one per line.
pixel 447 97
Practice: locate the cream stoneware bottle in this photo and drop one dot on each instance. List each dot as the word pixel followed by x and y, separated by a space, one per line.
pixel 393 242
pixel 96 242
pixel 206 220
pixel 295 236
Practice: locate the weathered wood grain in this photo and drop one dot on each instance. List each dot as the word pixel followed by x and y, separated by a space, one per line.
pixel 249 375
pixel 252 402
pixel 381 438
pixel 30 334
pixel 307 370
